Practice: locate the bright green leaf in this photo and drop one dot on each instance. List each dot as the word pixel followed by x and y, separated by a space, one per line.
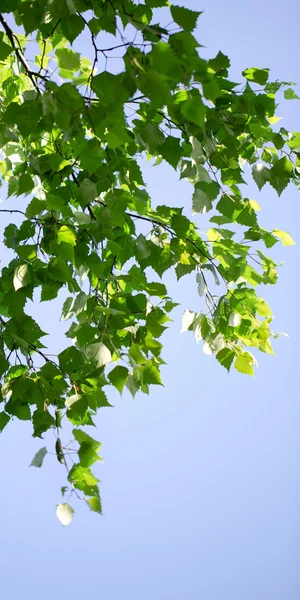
pixel 185 17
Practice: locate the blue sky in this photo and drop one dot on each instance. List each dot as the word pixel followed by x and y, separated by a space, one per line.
pixel 200 481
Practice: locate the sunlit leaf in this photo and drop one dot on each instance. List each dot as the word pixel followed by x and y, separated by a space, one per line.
pixel 22 277
pixel 285 237
pixel 187 320
pixel 64 513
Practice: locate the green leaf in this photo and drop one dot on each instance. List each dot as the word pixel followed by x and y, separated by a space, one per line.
pixel 244 363
pixel 51 162
pixel 67 59
pixel 279 184
pixel 83 479
pixel 201 202
pixel 194 110
pixel 294 143
pixel 152 136
pixel 88 450
pixel 26 184
pixel 257 75
pixel 171 151
pixel 260 175
pixel 64 513
pixel 59 452
pixel 225 357
pixel 4 364
pixel 5 49
pixel 156 289
pixel 67 235
pixel 38 459
pixel 13 187
pixel 4 419
pixel 262 308
pixel 110 88
pixel 186 18
pixel 151 374
pixel 98 353
pixel 59 271
pixel 72 27
pixel 95 504
pixel 282 168
pixel 219 63
pixel 118 377
pixel 289 94
pixel 10 236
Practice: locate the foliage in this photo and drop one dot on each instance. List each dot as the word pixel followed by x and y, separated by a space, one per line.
pixel 72 135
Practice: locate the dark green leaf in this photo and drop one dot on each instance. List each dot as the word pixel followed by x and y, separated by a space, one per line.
pixel 4 419
pixel 185 17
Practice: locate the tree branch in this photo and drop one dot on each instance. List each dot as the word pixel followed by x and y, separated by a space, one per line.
pixel 19 54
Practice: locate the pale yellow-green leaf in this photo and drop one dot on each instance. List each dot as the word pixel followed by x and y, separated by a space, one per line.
pixel 273 120
pixel 244 363
pixel 285 237
pixel 263 308
pixel 254 205
pixel 234 320
pixel 72 399
pixel 213 235
pixel 64 513
pixel 67 235
pixel 22 277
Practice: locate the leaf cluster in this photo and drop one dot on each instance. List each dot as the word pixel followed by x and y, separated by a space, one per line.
pixel 72 132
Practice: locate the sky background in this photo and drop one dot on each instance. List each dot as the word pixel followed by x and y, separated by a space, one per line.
pixel 200 480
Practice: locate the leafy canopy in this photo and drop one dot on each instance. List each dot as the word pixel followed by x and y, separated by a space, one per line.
pixel 72 133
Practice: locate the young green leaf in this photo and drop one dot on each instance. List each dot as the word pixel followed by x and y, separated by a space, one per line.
pixel 244 363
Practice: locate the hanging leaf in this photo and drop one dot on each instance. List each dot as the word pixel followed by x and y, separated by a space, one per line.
pixel 38 459
pixel 98 353
pixel 285 237
pixel 64 513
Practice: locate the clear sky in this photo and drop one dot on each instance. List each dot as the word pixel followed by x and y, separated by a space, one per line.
pixel 200 481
